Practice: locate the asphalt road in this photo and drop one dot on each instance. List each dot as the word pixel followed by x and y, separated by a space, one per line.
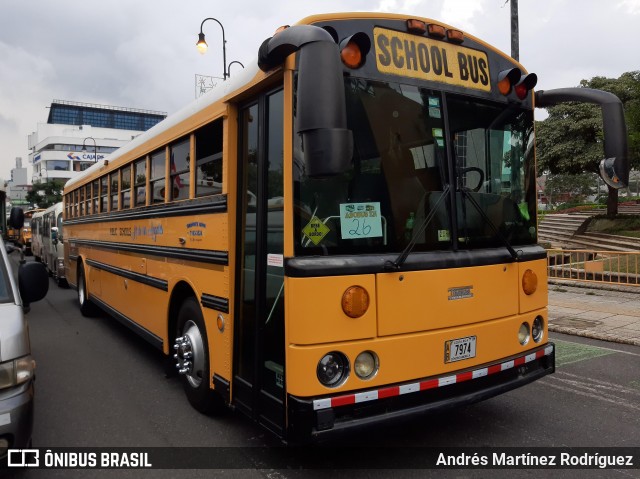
pixel 99 385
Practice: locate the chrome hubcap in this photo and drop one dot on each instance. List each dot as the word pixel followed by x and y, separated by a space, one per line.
pixel 189 354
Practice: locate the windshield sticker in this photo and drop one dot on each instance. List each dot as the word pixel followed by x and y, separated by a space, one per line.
pixel 436 132
pixel 276 260
pixel 434 112
pixel 434 101
pixel 360 220
pixel 443 235
pixel 316 230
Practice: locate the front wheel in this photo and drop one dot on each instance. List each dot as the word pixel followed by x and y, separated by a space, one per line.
pixel 192 358
pixel 87 308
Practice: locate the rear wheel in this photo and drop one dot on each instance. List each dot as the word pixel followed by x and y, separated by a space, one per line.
pixel 87 308
pixel 192 358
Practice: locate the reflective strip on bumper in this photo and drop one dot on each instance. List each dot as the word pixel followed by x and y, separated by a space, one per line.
pixel 443 381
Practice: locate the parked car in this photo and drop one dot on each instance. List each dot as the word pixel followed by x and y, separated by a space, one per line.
pixel 17 366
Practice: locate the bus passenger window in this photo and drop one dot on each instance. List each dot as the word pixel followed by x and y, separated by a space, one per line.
pixel 103 194
pixel 82 212
pixel 95 195
pixel 125 190
pixel 140 179
pixel 158 162
pixel 114 190
pixel 87 200
pixel 209 159
pixel 179 168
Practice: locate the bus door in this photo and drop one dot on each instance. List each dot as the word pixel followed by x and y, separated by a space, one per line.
pixel 258 381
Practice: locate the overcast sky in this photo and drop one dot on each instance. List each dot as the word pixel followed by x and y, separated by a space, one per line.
pixel 141 53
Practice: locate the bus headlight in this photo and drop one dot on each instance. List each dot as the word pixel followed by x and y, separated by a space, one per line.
pixel 366 365
pixel 537 329
pixel 333 369
pixel 523 333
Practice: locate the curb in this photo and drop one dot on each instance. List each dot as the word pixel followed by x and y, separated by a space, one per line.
pixel 593 335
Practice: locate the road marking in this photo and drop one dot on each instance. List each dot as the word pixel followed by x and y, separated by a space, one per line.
pixel 568 352
pixel 592 388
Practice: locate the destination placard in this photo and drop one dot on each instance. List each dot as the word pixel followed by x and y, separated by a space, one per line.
pixel 413 56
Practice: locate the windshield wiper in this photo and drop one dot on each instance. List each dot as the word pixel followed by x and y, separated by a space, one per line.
pixel 399 261
pixel 514 254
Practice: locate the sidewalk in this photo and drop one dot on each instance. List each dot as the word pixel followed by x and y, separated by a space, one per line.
pixel 611 314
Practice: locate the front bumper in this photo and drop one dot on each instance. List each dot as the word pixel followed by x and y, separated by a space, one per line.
pixel 320 418
pixel 16 415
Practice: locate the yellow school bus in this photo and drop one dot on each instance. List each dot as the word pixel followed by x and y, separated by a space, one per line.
pixel 340 235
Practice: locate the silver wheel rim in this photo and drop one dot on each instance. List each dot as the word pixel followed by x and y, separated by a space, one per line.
pixel 81 290
pixel 194 362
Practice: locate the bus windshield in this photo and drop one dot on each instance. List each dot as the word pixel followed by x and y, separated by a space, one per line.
pixel 420 155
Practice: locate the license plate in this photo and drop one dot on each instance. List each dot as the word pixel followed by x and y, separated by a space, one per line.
pixel 459 349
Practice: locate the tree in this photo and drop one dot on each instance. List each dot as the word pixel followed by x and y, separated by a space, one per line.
pixel 569 141
pixel 45 194
pixel 558 187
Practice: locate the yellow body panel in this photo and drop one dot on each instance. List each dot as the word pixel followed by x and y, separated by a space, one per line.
pixel 409 322
pixel 407 357
pixel 314 310
pixel 540 298
pixel 427 300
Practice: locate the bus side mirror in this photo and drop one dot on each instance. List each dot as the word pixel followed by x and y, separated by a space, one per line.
pixel 33 282
pixel 54 235
pixel 16 218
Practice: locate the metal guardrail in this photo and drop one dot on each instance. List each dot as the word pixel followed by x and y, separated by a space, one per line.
pixel 610 267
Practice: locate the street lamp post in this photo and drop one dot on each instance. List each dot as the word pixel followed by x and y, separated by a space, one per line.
pixel 95 147
pixel 202 48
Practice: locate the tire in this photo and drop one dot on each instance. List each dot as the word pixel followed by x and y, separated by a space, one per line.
pixel 194 368
pixel 87 308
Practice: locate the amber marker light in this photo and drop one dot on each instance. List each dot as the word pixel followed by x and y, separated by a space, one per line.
pixel 355 301
pixel 529 282
pixel 455 36
pixel 437 31
pixel 416 26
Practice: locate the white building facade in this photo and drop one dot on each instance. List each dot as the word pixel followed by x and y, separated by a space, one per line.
pixel 77 135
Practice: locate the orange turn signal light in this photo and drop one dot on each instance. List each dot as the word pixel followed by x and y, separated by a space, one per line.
pixel 529 282
pixel 354 49
pixel 355 301
pixel 351 55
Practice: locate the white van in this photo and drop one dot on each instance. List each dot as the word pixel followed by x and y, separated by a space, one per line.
pixel 52 244
pixel 17 367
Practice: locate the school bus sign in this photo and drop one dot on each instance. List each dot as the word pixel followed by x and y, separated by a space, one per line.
pixel 407 55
